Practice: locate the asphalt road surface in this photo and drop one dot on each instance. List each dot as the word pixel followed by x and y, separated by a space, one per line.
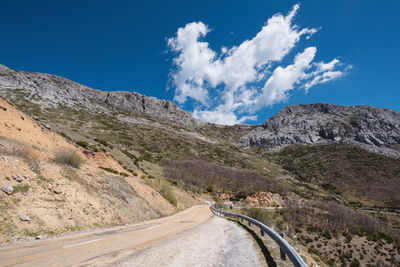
pixel 101 247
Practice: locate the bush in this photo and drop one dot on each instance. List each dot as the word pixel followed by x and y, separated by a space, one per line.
pixel 83 144
pixel 65 136
pixel 69 157
pixel 123 174
pixel 103 142
pixel 210 188
pixel 168 193
pixel 355 263
pixel 313 250
pixel 259 215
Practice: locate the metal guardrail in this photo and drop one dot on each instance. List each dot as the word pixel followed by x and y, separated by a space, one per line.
pixel 285 247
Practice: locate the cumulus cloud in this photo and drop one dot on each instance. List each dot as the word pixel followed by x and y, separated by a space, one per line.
pixel 228 86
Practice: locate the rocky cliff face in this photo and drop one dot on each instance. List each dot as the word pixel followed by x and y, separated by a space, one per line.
pixel 50 90
pixel 376 129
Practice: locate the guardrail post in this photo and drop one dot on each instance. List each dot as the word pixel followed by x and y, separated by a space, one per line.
pixel 249 223
pixel 262 232
pixel 283 255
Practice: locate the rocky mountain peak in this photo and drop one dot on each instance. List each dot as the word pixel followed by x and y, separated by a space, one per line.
pixel 374 128
pixel 3 68
pixel 51 90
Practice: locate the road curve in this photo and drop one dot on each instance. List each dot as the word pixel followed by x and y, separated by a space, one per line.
pixel 101 246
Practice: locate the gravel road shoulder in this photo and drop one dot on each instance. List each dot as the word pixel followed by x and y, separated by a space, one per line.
pixel 217 242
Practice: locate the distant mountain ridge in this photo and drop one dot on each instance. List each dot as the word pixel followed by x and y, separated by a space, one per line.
pixel 52 90
pixel 376 129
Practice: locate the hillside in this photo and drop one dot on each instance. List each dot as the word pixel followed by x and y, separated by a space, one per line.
pixel 346 172
pixel 375 129
pixel 49 186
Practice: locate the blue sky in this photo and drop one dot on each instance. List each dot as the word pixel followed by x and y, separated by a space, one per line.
pixel 122 45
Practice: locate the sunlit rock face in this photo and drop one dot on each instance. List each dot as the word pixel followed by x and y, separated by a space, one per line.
pixel 374 128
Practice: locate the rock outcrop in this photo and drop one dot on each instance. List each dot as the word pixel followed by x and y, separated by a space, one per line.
pixel 50 90
pixel 376 129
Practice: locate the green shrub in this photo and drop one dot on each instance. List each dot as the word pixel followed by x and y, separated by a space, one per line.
pixel 94 148
pixel 168 193
pixel 83 144
pixel 327 235
pixel 65 136
pixel 314 250
pixel 69 157
pixel 306 239
pixel 21 188
pixel 331 262
pixel 123 174
pixel 103 142
pixel 355 263
pixel 109 170
pixel 210 188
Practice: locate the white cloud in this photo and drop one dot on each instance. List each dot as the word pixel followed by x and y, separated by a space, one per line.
pixel 283 80
pixel 227 84
pixel 221 117
pixel 324 73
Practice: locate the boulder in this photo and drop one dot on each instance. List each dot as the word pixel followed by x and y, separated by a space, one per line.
pixel 24 218
pixel 7 189
pixel 17 178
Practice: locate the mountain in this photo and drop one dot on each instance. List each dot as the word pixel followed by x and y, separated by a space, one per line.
pixel 376 129
pixel 145 157
pixel 50 90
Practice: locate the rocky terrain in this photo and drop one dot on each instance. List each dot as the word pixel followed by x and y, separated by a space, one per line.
pixel 50 90
pixel 376 129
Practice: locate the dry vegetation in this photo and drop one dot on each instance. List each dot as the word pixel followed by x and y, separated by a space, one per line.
pixel 69 157
pixel 212 177
pixel 346 172
pixel 333 234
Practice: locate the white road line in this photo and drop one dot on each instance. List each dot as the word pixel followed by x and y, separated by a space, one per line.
pixel 94 240
pixel 155 226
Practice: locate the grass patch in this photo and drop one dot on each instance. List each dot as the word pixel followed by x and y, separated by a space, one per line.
pixel 109 170
pixel 21 188
pixel 168 193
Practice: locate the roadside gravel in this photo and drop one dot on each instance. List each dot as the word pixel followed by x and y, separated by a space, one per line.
pixel 217 242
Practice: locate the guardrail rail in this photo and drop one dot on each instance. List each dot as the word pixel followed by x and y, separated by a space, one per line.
pixel 285 247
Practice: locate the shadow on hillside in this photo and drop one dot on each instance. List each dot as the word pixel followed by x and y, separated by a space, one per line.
pixel 267 255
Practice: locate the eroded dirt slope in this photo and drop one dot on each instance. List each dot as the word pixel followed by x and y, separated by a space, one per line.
pixel 40 196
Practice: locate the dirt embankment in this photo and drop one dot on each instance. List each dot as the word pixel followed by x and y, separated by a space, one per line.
pixel 40 196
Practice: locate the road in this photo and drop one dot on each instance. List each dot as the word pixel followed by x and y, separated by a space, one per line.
pixel 101 246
